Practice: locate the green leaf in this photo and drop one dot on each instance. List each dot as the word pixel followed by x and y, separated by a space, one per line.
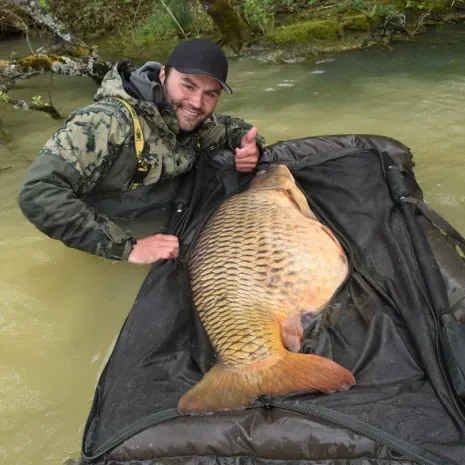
pixel 37 100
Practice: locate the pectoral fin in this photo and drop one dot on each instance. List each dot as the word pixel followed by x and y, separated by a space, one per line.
pixel 292 333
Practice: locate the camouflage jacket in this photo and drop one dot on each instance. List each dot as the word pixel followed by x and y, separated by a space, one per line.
pixel 78 157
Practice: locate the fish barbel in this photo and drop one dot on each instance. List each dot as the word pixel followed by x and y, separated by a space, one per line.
pixel 260 262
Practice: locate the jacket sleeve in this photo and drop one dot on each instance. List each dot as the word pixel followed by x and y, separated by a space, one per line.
pixel 70 164
pixel 226 132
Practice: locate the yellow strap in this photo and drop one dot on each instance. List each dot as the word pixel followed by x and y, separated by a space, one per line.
pixel 138 134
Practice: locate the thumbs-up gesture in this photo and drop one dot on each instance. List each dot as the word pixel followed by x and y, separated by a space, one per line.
pixel 247 154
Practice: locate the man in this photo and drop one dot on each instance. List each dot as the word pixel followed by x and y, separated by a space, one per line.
pixel 108 170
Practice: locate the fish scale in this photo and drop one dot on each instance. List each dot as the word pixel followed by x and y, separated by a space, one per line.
pixel 261 261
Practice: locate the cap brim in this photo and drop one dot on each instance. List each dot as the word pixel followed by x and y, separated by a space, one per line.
pixel 186 70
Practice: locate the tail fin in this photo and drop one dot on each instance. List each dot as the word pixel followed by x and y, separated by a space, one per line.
pixel 225 388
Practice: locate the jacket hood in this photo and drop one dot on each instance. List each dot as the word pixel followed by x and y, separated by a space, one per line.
pixel 144 83
pixel 113 82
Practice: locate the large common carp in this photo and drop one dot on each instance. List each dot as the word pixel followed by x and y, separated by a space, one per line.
pixel 261 261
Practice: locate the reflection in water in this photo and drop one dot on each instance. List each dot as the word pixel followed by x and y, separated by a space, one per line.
pixel 60 310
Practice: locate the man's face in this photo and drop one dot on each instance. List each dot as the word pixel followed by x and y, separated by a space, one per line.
pixel 194 97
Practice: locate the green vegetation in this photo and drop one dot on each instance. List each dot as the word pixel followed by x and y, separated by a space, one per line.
pixel 341 24
pixel 145 28
pixel 308 31
pixel 36 62
pixel 259 14
pixel 160 27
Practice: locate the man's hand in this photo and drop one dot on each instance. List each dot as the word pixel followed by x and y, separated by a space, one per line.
pixel 153 248
pixel 247 154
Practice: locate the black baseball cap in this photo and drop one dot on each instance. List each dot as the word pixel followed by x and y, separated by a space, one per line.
pixel 201 56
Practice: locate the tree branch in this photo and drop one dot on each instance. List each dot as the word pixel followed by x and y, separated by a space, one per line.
pixel 87 65
pixel 67 56
pixel 42 17
pixel 24 105
pixel 420 22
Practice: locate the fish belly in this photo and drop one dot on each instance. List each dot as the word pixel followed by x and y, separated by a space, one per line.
pixel 259 259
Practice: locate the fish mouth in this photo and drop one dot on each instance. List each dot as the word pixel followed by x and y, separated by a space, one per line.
pixel 281 171
pixel 275 177
pixel 279 178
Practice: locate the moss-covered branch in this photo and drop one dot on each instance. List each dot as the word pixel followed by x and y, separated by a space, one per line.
pixel 71 57
pixel 8 78
pixel 36 105
pixel 86 65
pixel 68 55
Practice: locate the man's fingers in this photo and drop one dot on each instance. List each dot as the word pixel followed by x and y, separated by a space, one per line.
pixel 246 165
pixel 246 154
pixel 249 137
pixel 153 248
pixel 169 248
pixel 249 150
pixel 168 254
pixel 252 162
pixel 240 166
pixel 175 254
pixel 249 159
pixel 241 152
pixel 175 251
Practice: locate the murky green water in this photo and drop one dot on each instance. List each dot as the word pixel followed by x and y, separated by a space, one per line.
pixel 60 310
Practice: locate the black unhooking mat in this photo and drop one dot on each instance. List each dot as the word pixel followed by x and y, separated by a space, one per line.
pixel 381 325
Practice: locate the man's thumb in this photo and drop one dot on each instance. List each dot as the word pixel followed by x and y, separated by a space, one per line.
pixel 250 136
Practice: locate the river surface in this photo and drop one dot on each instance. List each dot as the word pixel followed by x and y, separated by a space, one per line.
pixel 61 310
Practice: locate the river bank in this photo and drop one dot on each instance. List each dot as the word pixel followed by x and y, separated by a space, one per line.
pixel 278 31
pixel 357 24
pixel 311 32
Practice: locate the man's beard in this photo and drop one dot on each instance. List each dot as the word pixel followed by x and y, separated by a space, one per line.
pixel 178 105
